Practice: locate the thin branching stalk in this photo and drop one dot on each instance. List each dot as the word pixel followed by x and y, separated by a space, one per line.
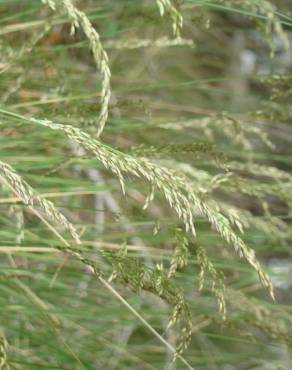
pixel 138 43
pixel 79 19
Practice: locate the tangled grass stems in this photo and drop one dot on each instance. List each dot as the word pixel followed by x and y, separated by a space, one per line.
pixel 232 127
pixel 272 24
pixel 261 170
pixel 137 275
pixel 26 48
pixel 28 196
pixel 177 190
pixel 79 19
pixel 92 268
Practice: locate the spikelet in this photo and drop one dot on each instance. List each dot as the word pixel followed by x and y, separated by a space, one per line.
pixel 217 284
pixel 79 19
pixel 149 198
pixel 181 253
pixel 29 197
pixel 16 212
pixel 182 313
pixel 166 6
pixel 50 3
pixel 3 353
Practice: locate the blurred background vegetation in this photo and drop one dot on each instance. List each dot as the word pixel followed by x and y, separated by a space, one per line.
pixel 213 104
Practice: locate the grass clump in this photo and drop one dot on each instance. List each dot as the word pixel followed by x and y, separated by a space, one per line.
pixel 198 183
